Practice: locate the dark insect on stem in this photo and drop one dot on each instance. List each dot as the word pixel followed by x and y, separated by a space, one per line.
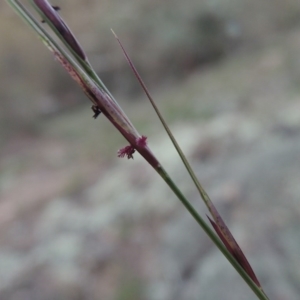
pixel 56 8
pixel 96 111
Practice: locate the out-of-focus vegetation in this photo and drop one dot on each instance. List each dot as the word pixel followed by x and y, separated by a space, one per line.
pixel 235 62
pixel 167 40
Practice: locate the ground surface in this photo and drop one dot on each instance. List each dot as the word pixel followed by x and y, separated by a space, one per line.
pixel 78 223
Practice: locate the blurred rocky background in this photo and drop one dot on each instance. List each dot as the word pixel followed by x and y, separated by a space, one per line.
pixel 77 223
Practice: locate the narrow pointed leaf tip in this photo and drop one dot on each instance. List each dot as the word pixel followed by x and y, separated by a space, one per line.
pixel 51 13
pixel 219 225
pixel 236 252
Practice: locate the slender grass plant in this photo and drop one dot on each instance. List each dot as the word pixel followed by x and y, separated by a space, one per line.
pixel 72 57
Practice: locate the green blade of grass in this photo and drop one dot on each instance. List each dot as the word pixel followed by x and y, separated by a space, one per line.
pixel 84 63
pixel 47 39
pixel 254 284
